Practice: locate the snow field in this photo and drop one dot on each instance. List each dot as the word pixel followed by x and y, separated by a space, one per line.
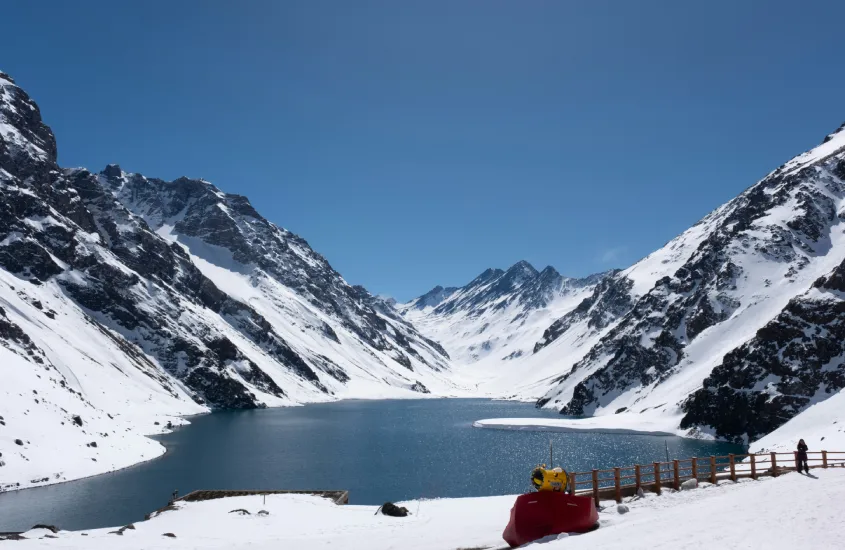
pixel 791 511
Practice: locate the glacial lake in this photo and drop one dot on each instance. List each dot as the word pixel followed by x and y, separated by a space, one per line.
pixel 377 450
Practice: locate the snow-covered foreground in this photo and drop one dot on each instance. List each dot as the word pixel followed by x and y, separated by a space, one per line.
pixel 792 511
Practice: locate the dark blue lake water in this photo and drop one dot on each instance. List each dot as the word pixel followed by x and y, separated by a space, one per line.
pixel 378 450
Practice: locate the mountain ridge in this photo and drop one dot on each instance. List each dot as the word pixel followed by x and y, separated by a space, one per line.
pixel 126 299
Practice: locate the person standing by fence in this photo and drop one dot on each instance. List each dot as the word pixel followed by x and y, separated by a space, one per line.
pixel 802 456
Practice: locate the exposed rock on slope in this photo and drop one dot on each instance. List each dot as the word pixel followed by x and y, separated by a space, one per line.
pixel 753 255
pixel 137 297
pixel 794 361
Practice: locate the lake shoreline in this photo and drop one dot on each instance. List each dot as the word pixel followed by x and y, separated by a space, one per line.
pixel 364 446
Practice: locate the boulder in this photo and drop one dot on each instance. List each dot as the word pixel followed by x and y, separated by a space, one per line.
pixel 390 509
pixel 689 484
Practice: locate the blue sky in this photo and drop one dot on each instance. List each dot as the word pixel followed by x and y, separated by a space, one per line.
pixel 418 143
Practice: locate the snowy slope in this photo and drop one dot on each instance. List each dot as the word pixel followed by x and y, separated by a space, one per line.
pixel 745 263
pixel 127 302
pixel 784 513
pixel 490 326
pixel 353 344
pixel 791 364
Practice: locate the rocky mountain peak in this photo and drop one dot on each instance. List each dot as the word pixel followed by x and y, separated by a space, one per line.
pixel 27 145
pixel 112 171
pixel 486 276
pixel 521 271
pixel 830 136
pixel 549 272
pixel 433 297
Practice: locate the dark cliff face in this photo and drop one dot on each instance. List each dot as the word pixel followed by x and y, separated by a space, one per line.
pixel 792 362
pixel 66 226
pixel 93 236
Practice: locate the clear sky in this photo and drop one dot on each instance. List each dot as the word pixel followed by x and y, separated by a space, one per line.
pixel 418 143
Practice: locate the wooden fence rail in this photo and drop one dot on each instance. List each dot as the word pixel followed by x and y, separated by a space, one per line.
pixel 616 483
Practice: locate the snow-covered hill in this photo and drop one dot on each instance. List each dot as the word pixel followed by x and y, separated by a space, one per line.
pixel 126 301
pixel 754 287
pixel 492 324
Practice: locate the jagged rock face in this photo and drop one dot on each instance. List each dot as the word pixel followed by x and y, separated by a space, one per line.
pixel 609 301
pixel 27 145
pixel 434 297
pixel 499 314
pixel 195 210
pixel 93 240
pixel 797 359
pixel 761 249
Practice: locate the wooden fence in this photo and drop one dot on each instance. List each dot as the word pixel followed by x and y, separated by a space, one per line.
pixel 616 483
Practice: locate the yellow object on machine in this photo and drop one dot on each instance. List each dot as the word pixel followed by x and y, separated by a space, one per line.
pixel 549 479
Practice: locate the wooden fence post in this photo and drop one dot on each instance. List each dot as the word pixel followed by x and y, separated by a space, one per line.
pixel 797 465
pixel 713 470
pixel 638 477
pixel 677 475
pixel 617 484
pixel 695 468
pixel 572 486
pixel 733 467
pixel 774 464
pixel 753 466
pixel 596 487
pixel 657 477
pixel 824 459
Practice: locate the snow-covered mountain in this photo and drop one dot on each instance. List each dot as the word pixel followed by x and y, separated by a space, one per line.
pixel 124 299
pixel 127 302
pixel 493 322
pixel 741 312
pixel 731 329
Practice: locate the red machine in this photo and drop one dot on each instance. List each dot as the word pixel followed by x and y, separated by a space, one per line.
pixel 544 513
